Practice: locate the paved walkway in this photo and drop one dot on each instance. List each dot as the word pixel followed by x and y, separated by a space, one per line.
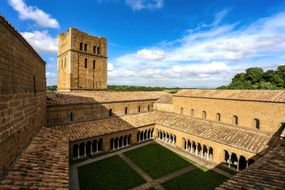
pixel 160 180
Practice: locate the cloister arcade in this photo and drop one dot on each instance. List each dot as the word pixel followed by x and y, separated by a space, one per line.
pixel 120 142
pixel 198 149
pixel 145 135
pixel 166 137
pixel 88 148
pixel 237 162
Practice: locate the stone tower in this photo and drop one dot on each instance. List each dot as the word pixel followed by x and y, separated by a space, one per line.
pixel 82 61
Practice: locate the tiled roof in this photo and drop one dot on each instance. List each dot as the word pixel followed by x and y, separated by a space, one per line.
pixel 245 139
pixel 277 96
pixel 85 130
pixel 241 138
pixel 62 98
pixel 267 173
pixel 44 164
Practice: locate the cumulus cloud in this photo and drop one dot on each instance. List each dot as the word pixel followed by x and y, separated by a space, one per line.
pixel 26 12
pixel 145 4
pixel 208 57
pixel 41 41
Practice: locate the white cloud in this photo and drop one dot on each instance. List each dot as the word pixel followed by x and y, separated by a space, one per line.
pixel 110 67
pixel 26 12
pixel 205 58
pixel 145 4
pixel 50 75
pixel 41 41
pixel 151 54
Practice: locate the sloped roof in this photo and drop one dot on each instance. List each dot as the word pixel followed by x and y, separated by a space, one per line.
pixel 64 98
pixel 267 173
pixel 44 164
pixel 241 138
pixel 277 96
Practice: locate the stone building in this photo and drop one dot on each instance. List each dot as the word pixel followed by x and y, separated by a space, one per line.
pixel 82 61
pixel 41 133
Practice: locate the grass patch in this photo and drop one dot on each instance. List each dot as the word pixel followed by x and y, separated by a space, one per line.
pixel 110 173
pixel 156 160
pixel 196 180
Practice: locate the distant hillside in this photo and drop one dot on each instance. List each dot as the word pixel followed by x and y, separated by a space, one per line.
pixel 128 88
pixel 256 78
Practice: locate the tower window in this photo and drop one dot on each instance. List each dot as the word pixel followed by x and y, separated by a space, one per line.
pixel 94 64
pixel 257 123
pixel 126 110
pixel 98 50
pixel 110 112
pixel 94 49
pixel 81 46
pixel 235 120
pixel 139 109
pixel 85 47
pixel 181 110
pixel 85 63
pixel 148 108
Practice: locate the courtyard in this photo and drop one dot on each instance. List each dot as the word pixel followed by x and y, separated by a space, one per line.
pixel 149 166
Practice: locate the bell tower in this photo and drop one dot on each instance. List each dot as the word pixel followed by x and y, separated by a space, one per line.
pixel 82 61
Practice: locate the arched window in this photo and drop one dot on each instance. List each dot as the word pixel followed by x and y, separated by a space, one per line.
pixel 98 50
pixel 126 110
pixel 110 112
pixel 181 110
pixel 139 109
pixel 192 112
pixel 256 123
pixel 218 117
pixel 85 63
pixel 204 115
pixel 235 120
pixel 94 49
pixel 81 46
pixel 71 116
pixel 94 64
pixel 148 108
pixel 85 47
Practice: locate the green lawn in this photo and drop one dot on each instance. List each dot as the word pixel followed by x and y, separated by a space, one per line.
pixel 110 173
pixel 196 180
pixel 156 160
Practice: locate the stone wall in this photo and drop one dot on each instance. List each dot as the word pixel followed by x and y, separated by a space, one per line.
pixel 270 115
pixel 22 95
pixel 63 114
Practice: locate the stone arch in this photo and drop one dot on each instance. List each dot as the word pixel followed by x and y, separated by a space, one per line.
pixel 94 146
pixel 141 135
pixel 211 153
pixel 205 151
pixel 184 143
pixel 116 143
pixel 189 144
pixel 151 133
pixel 125 140
pixel 112 143
pixel 234 160
pixel 227 156
pixel 75 151
pixel 145 134
pixel 88 148
pixel 235 120
pixel 82 149
pixel 242 162
pixel 120 141
pixel 250 161
pixel 138 136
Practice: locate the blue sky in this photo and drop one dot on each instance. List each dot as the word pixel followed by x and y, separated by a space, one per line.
pixel 185 43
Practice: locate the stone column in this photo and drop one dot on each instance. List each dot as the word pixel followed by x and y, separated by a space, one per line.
pixel 230 157
pixel 246 163
pixel 196 148
pixel 238 163
pixel 208 152
pixel 97 146
pixel 202 152
pixel 84 149
pixel 113 145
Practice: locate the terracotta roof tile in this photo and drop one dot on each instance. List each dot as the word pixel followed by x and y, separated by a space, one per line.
pixel 44 164
pixel 267 173
pixel 277 96
pixel 62 98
